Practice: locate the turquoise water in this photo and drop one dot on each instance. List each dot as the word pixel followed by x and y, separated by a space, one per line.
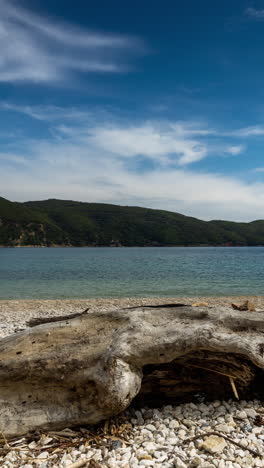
pixel 57 273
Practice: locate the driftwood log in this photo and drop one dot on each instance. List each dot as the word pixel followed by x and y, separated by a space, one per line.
pixel 88 368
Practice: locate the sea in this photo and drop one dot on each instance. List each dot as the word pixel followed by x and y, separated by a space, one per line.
pixel 88 272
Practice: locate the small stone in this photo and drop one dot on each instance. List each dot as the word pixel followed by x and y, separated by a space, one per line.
pixel 188 422
pixel 251 413
pixel 178 411
pixel 45 440
pixel 196 461
pixel 246 461
pixel 149 447
pixel 146 457
pixel 192 452
pixel 224 428
pixel 32 445
pixel 172 441
pixel 257 430
pixel 258 462
pixel 146 433
pixel 216 403
pixel 204 408
pixel 181 434
pixel 213 444
pixel 240 453
pixel 207 465
pixel 75 453
pixel 116 444
pixel 161 459
pixel 241 414
pixel 140 453
pixel 193 406
pixel 43 455
pixel 221 420
pixel 150 427
pixel 173 424
pixel 178 463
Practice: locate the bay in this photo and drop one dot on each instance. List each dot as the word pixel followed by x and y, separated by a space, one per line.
pixel 60 273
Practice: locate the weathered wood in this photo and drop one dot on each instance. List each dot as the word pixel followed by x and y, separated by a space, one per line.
pixel 88 368
pixel 40 320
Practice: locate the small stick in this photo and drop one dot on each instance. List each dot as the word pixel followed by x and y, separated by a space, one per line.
pixel 5 439
pixel 232 382
pixel 40 321
pixel 206 434
pixel 212 370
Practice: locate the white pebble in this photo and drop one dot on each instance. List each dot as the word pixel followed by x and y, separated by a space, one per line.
pixel 178 463
pixel 241 415
pixel 174 424
pixel 150 427
pixel 146 463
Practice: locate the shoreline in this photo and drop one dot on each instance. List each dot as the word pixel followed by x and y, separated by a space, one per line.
pixel 62 246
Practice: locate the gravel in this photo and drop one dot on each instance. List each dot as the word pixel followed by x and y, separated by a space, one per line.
pixel 162 438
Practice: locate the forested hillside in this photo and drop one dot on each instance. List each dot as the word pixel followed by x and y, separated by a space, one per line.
pixel 70 223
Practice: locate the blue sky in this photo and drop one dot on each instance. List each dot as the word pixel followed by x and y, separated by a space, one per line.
pixel 157 104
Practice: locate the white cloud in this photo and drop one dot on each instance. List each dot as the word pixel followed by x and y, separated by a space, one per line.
pixel 46 113
pixel 83 173
pixel 90 164
pixel 149 141
pixel 165 143
pixel 169 144
pixel 235 149
pixel 254 130
pixel 35 49
pixel 96 157
pixel 254 13
pixel 258 169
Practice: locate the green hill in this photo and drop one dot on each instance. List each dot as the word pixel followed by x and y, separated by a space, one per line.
pixel 62 222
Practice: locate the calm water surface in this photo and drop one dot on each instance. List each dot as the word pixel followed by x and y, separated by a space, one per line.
pixel 57 273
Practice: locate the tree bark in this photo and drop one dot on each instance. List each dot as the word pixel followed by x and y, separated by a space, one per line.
pixel 88 368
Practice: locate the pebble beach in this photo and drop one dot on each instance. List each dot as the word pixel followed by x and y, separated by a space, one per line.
pixel 217 434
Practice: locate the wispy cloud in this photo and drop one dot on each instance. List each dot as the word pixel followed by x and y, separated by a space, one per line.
pixel 36 49
pixel 235 149
pixel 46 113
pixel 75 170
pixel 98 161
pixel 166 143
pixel 255 13
pixel 255 130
